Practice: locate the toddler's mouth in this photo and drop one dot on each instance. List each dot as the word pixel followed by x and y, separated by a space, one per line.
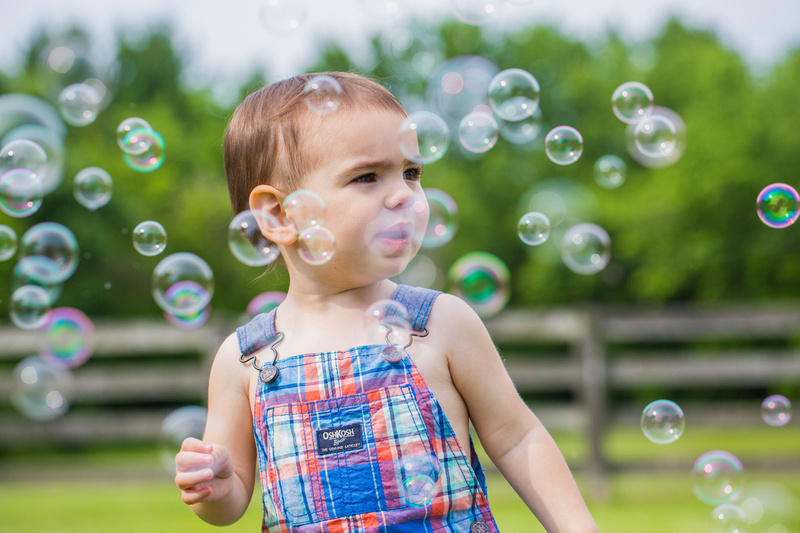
pixel 396 232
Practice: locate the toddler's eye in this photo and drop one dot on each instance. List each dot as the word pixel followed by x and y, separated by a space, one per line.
pixel 366 178
pixel 413 174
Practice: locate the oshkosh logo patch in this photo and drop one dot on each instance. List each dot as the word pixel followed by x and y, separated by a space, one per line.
pixel 341 439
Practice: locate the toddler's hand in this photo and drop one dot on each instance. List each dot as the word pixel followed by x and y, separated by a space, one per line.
pixel 203 471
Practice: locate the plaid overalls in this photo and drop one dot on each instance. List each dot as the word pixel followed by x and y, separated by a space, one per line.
pixel 333 430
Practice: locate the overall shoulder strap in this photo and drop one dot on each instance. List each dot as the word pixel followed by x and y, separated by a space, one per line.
pixel 257 333
pixel 418 301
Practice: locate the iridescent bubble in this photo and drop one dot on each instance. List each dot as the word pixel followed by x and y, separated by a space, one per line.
pixel 514 94
pixel 23 154
pixel 182 284
pixel 522 131
pixel 305 209
pixel 482 280
pixel 533 228
pixel 443 219
pixel 563 145
pixel 265 302
pixel 424 137
pixel 662 421
pixel 476 12
pixel 67 337
pixel 610 171
pixel 323 94
pixel 316 245
pixel 8 242
pixel 37 270
pixel 586 248
pixel 388 322
pixel 41 391
pixel 717 477
pixel 153 157
pixel 55 241
pixel 179 425
pixel 420 474
pixel 134 145
pixel 93 187
pixel 478 132
pixel 191 321
pixel 149 238
pixel 247 243
pixel 728 518
pixel 632 101
pixel 79 104
pixel 28 306
pixel 283 16
pixel 20 193
pixel 776 410
pixel 777 205
pixel 655 136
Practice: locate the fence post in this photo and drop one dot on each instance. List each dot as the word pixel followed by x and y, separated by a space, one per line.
pixel 594 378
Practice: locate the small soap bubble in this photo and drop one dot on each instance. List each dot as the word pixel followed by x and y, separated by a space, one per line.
pixel 93 187
pixel 134 145
pixel 24 154
pixel 420 474
pixel 8 242
pixel 610 171
pixel 662 421
pixel 28 306
pixel 149 238
pixel 56 242
pixel 424 137
pixel 522 131
pixel 717 477
pixel 305 209
pixel 586 248
pixel 482 280
pixel 443 219
pixel 655 136
pixel 728 518
pixel 265 302
pixel 533 228
pixel 150 159
pixel 179 425
pixel 632 101
pixel 476 12
pixel 514 94
pixel 777 205
pixel 317 245
pixel 776 410
pixel 563 145
pixel 478 132
pixel 323 94
pixel 283 16
pixel 247 243
pixel 79 103
pixel 20 193
pixel 67 337
pixel 41 391
pixel 182 284
pixel 387 322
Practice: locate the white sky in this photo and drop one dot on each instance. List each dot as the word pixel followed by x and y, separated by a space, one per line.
pixel 227 40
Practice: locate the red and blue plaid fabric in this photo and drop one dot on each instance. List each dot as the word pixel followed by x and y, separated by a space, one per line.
pixel 333 430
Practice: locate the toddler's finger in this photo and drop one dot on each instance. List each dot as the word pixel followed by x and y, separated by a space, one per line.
pixel 191 444
pixel 190 480
pixel 186 461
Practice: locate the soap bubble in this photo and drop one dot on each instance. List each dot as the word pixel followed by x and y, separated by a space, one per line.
pixel 8 242
pixel 533 228
pixel 586 248
pixel 420 474
pixel 265 302
pixel 20 193
pixel 662 421
pixel 316 245
pixel 192 320
pixel 50 174
pixel 93 187
pixel 56 242
pixel 283 16
pixel 247 243
pixel 459 86
pixel 179 425
pixel 563 145
pixel 38 270
pixel 777 205
pixel 476 12
pixel 387 322
pixel 194 280
pixel 610 171
pixel 717 477
pixel 658 140
pixel 79 103
pixel 24 154
pixel 323 94
pixel 443 219
pixel 478 132
pixel 632 101
pixel 482 280
pixel 151 158
pixel 514 94
pixel 149 238
pixel 305 209
pixel 41 391
pixel 28 306
pixel 522 131
pixel 776 410
pixel 67 337
pixel 137 144
pixel 424 137
pixel 728 518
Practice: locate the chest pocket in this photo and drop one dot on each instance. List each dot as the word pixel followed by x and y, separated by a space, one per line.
pixel 342 457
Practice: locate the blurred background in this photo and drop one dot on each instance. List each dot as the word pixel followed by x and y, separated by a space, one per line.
pixel 663 268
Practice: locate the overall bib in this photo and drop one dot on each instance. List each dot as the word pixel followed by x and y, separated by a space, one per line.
pixel 336 432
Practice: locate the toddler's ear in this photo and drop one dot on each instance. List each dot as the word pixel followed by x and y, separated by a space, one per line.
pixel 266 203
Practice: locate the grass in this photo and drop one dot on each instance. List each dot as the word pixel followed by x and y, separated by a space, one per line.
pixel 80 492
